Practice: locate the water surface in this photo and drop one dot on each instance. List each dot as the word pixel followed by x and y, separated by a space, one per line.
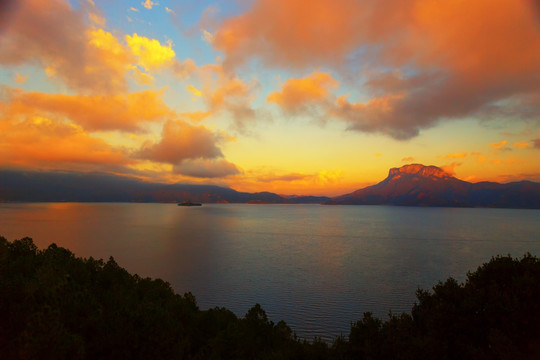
pixel 316 267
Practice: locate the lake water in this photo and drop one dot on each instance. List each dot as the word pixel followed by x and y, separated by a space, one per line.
pixel 316 267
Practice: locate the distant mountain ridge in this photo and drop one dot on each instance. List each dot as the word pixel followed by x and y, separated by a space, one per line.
pixel 35 186
pixel 409 185
pixel 420 185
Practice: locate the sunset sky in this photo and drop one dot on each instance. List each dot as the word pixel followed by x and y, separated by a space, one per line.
pixel 289 96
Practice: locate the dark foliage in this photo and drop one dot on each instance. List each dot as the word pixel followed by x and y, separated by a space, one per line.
pixel 55 305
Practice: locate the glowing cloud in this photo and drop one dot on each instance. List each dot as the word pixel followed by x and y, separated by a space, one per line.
pixel 450 168
pixel 181 141
pixel 453 74
pixel 54 35
pixel 292 32
pixel 298 94
pixel 43 143
pixel 498 145
pixel 192 89
pixel 92 112
pixel 224 92
pixel 522 144
pixel 150 53
pixel 20 79
pixel 195 116
pixel 456 155
pixel 149 4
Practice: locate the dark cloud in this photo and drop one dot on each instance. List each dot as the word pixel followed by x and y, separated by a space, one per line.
pixel 206 168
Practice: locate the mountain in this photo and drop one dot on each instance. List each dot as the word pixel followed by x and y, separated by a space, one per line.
pixel 34 186
pixel 419 185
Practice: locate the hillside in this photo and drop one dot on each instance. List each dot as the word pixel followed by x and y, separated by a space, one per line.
pixel 419 185
pixel 34 186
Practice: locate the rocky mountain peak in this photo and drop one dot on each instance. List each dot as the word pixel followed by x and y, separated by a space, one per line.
pixel 419 170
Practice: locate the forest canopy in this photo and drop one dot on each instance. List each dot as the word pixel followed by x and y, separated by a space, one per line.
pixel 59 306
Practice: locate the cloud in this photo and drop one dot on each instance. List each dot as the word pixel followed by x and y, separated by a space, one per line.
pixel 20 79
pixel 207 36
pixel 148 4
pixel 181 141
pixel 292 33
pixel 84 57
pixel 93 112
pixel 286 178
pixel 298 95
pixel 423 58
pixel 224 92
pixel 498 145
pixel 151 55
pixel 206 168
pixel 481 159
pixel 171 11
pixel 407 159
pixel 195 116
pixel 42 143
pixel 56 36
pixel 522 144
pixel 536 143
pixel 322 177
pixel 456 155
pixel 449 168
pixel 192 89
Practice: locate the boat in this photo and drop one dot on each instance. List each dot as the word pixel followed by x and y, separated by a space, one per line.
pixel 188 203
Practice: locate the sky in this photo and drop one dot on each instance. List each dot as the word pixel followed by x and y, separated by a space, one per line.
pixel 317 97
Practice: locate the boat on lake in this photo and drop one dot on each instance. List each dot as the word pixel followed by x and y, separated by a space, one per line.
pixel 188 203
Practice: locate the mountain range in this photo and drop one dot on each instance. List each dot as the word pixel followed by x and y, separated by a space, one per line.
pixel 409 185
pixel 35 186
pixel 419 185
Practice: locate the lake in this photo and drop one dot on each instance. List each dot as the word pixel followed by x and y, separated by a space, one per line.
pixel 316 267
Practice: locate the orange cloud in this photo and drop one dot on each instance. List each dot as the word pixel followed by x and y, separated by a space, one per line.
pixel 454 74
pixel 321 177
pixel 450 168
pixel 149 4
pixel 55 35
pixel 498 145
pixel 195 116
pixel 408 159
pixel 292 32
pixel 481 159
pixel 456 155
pixel 522 144
pixel 181 141
pixel 93 112
pixel 20 79
pixel 42 143
pixel 224 92
pixel 536 143
pixel 82 56
pixel 297 94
